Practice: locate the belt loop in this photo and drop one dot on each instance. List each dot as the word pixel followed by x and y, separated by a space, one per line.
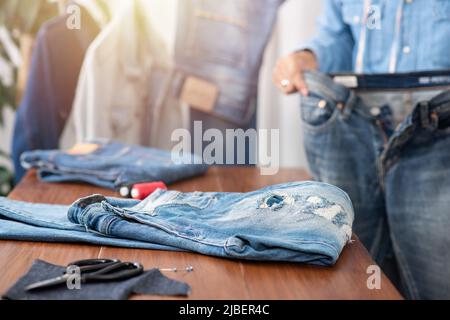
pixel 424 114
pixel 347 107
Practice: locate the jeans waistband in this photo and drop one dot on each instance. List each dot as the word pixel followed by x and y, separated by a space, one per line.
pixel 325 86
pixel 427 115
pixel 424 79
pixel 329 89
pixel 77 208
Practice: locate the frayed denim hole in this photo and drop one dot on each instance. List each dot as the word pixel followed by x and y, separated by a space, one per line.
pixel 326 209
pixel 313 203
pixel 340 219
pixel 273 201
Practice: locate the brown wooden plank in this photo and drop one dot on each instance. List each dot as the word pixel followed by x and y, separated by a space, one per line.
pixel 346 280
pixel 32 190
pixel 212 278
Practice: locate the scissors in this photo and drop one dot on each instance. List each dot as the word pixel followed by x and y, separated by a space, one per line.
pixel 94 270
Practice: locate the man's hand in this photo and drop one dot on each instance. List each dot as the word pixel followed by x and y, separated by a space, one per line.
pixel 288 72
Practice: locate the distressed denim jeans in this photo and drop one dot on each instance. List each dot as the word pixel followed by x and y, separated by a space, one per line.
pixel 111 165
pixel 398 176
pixel 308 222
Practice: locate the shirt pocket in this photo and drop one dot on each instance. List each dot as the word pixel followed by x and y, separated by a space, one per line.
pixel 353 14
pixel 441 36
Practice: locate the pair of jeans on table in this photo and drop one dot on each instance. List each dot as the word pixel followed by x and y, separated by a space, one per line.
pixel 398 176
pixel 112 165
pixel 307 222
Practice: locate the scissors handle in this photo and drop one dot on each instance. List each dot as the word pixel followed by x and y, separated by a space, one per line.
pixel 89 265
pixel 116 271
pixel 95 270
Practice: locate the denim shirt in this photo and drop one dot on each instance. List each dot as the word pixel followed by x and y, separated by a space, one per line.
pixel 410 35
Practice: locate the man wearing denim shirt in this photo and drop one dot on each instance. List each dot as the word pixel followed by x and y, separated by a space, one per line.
pixel 385 143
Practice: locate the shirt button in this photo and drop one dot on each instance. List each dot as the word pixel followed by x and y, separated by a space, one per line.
pixel 406 50
pixel 356 19
pixel 409 1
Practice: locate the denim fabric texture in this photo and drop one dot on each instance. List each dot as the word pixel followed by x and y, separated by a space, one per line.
pixel 50 88
pixel 26 221
pixel 308 222
pixel 397 176
pixel 342 21
pixel 111 165
pixel 234 69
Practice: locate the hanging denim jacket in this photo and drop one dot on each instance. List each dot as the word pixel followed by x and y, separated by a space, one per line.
pixel 222 42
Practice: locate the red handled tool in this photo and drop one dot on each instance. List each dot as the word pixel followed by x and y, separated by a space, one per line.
pixel 140 191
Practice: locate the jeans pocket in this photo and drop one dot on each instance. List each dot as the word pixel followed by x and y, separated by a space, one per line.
pixel 317 113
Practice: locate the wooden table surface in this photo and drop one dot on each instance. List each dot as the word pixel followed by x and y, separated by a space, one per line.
pixel 212 278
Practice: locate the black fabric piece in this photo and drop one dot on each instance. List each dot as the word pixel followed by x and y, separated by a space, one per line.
pixel 150 282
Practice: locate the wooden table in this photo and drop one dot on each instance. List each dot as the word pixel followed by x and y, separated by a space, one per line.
pixel 212 278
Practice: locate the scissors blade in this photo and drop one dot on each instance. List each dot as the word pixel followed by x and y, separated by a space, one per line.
pixel 47 283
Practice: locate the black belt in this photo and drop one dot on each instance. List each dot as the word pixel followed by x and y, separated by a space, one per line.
pixel 425 79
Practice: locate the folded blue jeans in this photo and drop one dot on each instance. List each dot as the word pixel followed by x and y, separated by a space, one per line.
pixel 307 222
pixel 398 176
pixel 27 221
pixel 112 165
